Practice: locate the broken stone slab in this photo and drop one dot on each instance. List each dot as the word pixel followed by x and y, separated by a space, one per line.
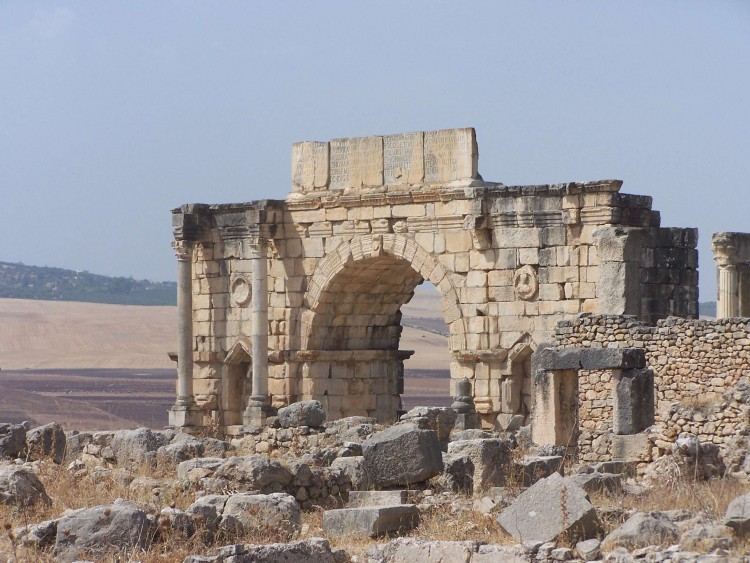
pixel 370 521
pixel 552 506
pixel 94 531
pixel 198 468
pixel 135 448
pixel 533 468
pixel 737 515
pixel 488 461
pixel 183 447
pixel 46 441
pixel 359 499
pixel 402 455
pixel 303 413
pixel 642 529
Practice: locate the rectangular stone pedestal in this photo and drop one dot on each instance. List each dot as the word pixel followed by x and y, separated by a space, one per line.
pixel 185 417
pixel 370 521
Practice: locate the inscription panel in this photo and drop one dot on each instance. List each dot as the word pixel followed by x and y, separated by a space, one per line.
pixel 450 154
pixel 356 163
pixel 309 165
pixel 403 158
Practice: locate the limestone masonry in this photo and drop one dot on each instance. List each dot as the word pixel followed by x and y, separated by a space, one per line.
pixel 296 299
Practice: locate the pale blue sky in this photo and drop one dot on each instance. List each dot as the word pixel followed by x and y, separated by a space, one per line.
pixel 112 113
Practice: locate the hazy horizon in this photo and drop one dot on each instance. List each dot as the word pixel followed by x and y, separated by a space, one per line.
pixel 115 113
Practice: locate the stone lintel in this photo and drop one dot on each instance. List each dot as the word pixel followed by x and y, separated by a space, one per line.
pixel 550 359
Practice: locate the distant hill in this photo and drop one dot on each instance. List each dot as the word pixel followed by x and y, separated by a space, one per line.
pixel 707 309
pixel 57 284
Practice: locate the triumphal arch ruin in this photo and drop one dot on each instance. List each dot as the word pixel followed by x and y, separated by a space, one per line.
pixel 300 298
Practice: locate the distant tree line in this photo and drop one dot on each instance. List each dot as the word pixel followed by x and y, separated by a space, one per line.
pixel 57 284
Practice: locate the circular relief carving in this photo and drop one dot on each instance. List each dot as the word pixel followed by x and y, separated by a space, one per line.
pixel 242 291
pixel 526 283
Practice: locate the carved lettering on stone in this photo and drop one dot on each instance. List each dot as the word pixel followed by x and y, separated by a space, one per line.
pixel 403 158
pixel 526 283
pixel 356 163
pixel 450 154
pixel 309 165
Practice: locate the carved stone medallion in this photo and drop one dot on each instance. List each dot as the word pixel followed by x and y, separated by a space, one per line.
pixel 242 291
pixel 526 283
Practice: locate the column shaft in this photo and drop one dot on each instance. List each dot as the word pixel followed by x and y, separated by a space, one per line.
pixel 184 324
pixel 259 326
pixel 728 303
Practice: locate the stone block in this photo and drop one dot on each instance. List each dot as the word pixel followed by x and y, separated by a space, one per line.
pixel 401 455
pixel 355 163
pixel 612 358
pixel 449 155
pixel 358 499
pixel 403 158
pixel 487 459
pixel 309 165
pixel 631 448
pixel 370 521
pixel 633 405
pixel 533 468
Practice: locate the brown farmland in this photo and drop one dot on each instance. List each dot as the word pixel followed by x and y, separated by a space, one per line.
pixel 96 366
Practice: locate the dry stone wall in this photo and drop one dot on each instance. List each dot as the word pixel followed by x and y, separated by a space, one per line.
pixel 368 220
pixel 701 378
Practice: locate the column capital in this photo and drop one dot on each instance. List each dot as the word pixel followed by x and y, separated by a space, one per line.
pixel 183 249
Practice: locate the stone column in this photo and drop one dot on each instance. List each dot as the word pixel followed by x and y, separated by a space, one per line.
pixel 257 408
pixel 728 302
pixel 184 412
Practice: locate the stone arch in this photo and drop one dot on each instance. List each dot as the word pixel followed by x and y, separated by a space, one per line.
pixel 395 262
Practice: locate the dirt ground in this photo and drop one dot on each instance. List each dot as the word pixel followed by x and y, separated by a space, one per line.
pixel 93 366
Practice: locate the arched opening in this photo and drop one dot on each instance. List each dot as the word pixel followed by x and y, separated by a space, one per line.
pixel 351 333
pixel 427 372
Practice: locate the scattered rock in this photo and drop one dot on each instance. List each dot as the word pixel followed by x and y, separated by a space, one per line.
pixel 313 550
pixel 304 413
pixel 46 441
pixel 101 529
pixel 641 530
pixel 266 514
pixel 533 468
pixel 136 448
pixel 370 521
pixel 487 459
pixel 439 419
pixel 588 550
pixel 12 440
pixel 255 473
pixel 19 486
pixel 737 515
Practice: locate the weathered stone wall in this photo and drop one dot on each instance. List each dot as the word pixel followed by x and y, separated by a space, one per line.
pixel 697 364
pixel 367 221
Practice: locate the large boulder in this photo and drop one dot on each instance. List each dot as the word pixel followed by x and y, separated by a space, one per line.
pixel 46 441
pixel 196 469
pixel 135 448
pixel 402 455
pixel 266 515
pixel 418 550
pixel 255 473
pixel 206 513
pixel 549 508
pixel 487 459
pixel 370 521
pixel 12 440
pixel 101 530
pixel 19 486
pixel 641 530
pixel 304 413
pixel 354 469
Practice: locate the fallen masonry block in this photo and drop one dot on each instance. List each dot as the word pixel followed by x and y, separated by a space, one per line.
pixel 539 467
pixel 359 499
pixel 370 521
